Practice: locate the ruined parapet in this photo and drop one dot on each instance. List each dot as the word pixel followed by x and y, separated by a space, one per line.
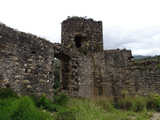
pixel 26 63
pixel 132 76
pixel 118 57
pixel 83 39
pixel 82 34
pixel 116 74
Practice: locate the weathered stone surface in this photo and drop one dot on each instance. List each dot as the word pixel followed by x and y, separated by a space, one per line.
pixel 24 58
pixel 82 73
pixel 124 74
pixel 26 63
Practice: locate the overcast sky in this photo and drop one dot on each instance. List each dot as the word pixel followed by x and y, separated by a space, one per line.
pixel 131 24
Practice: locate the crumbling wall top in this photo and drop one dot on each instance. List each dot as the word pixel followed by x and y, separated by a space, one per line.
pixel 13 33
pixel 114 51
pixel 76 18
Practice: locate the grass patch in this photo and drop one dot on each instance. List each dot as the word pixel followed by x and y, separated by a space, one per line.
pixel 13 107
pixel 62 107
pixel 89 110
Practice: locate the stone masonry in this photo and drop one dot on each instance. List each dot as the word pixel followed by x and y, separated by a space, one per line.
pixel 26 63
pixel 82 73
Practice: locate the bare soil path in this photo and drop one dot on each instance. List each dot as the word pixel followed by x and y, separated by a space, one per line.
pixel 156 116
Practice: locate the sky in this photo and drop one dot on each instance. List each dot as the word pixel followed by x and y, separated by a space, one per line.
pixel 130 24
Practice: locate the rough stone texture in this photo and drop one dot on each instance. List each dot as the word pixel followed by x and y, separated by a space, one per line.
pixel 145 76
pixel 26 62
pixel 82 72
pixel 116 71
pixel 122 74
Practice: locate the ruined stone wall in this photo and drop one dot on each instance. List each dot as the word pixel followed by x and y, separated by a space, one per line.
pixel 116 63
pixel 145 75
pixel 91 75
pixel 26 62
pixel 91 71
pixel 123 74
pixel 83 39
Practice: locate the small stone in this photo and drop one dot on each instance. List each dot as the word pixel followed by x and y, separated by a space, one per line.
pixel 14 58
pixel 30 60
pixel 42 81
pixel 17 81
pixel 26 81
pixel 47 81
pixel 18 76
pixel 6 80
pixel 29 70
pixel 29 86
pixel 25 65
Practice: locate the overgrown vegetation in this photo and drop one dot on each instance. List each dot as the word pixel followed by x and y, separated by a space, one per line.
pixel 61 107
pixel 21 108
pixel 13 107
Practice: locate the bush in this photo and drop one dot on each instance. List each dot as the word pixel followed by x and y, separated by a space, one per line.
pixel 124 103
pixel 44 103
pixel 22 108
pixel 136 103
pixel 26 110
pixel 66 114
pixel 139 103
pixel 59 102
pixel 7 93
pixel 58 105
pixel 7 108
pixel 60 99
pixel 153 102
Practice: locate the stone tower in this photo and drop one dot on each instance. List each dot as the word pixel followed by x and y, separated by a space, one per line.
pixel 83 72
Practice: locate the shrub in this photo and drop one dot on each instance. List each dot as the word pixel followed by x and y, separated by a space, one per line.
pixel 66 114
pixel 7 93
pixel 45 103
pixel 139 103
pixel 153 102
pixel 7 108
pixel 124 103
pixel 136 103
pixel 60 99
pixel 26 110
pixel 59 102
pixel 21 108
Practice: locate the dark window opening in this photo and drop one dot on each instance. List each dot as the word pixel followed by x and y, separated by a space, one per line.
pixel 33 52
pixel 78 41
pixel 7 85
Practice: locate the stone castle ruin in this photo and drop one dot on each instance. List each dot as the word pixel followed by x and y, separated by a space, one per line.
pixel 87 70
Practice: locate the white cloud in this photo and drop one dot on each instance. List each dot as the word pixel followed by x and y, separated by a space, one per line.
pixel 133 24
pixel 144 41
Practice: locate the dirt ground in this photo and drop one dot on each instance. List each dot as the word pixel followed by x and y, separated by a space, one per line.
pixel 156 116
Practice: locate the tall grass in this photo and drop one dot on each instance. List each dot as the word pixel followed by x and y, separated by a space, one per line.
pixel 62 107
pixel 21 109
pixel 13 107
pixel 99 109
